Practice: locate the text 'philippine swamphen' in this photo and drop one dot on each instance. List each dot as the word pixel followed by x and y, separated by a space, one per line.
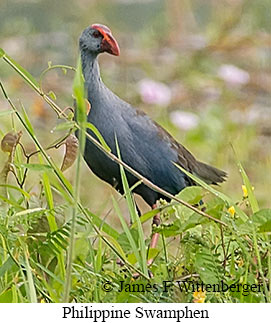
pixel 144 145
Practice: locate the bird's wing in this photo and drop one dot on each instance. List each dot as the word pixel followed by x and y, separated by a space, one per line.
pixel 169 145
pixel 208 173
pixel 185 158
pixel 157 140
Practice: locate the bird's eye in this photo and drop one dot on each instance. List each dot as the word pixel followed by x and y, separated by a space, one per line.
pixel 96 34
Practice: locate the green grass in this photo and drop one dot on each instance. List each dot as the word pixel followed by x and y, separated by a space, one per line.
pixel 53 248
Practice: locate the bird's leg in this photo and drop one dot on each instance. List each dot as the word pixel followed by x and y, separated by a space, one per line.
pixel 155 236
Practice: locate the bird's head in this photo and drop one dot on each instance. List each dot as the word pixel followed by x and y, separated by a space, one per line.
pixel 98 39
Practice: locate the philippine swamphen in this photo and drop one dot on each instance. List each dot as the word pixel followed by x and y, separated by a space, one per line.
pixel 144 145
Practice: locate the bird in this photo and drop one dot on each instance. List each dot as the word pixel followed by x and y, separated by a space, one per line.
pixel 144 145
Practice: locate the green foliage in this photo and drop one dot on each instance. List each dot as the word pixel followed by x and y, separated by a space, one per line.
pixel 98 135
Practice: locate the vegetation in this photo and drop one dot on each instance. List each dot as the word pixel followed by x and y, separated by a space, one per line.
pixel 54 247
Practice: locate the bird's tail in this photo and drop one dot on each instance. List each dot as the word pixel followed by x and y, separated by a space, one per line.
pixel 209 174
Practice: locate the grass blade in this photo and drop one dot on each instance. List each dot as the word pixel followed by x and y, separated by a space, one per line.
pixel 251 196
pixel 127 230
pixel 78 90
pixel 24 73
pixel 134 216
pixel 52 222
pixel 30 282
pixel 98 135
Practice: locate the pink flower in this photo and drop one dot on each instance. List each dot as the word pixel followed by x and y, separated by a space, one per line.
pixel 184 120
pixel 233 75
pixel 152 92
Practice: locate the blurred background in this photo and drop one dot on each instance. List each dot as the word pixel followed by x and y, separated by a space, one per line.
pixel 202 69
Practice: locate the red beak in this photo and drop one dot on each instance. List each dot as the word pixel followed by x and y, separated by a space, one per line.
pixel 109 43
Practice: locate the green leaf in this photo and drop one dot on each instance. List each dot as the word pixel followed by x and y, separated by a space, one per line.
pixel 126 230
pixel 29 211
pixel 215 207
pixel 152 253
pixel 38 167
pixel 59 188
pixel 49 197
pixel 10 202
pixel 26 75
pixel 64 126
pixel 2 53
pixel 103 225
pixel 191 194
pixel 79 94
pixel 52 95
pixel 251 197
pixel 117 246
pixel 134 215
pixel 98 262
pixel 262 219
pixel 124 241
pixel 6 296
pixel 26 194
pixel 6 266
pixel 194 220
pixel 229 202
pixel 169 230
pixel 48 192
pixel 132 258
pixel 81 249
pixel 30 286
pixel 208 266
pixel 14 294
pixel 188 218
pixel 146 216
pixel 98 135
pixel 47 271
pixel 27 122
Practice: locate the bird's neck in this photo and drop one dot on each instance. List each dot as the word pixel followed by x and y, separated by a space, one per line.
pixel 97 93
pixel 91 70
